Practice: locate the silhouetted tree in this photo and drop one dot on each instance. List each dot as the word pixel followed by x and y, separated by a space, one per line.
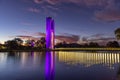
pixel 112 44
pixel 85 45
pixel 117 33
pixel 38 43
pixel 14 44
pixel 18 40
pixel 43 42
pixel 32 43
pixel 27 42
pixel 11 44
pixel 66 45
pixel 58 45
pixel 93 44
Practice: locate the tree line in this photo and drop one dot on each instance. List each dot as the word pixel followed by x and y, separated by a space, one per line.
pixel 19 44
pixel 110 44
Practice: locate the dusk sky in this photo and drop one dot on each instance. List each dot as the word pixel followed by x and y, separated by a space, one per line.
pixel 75 20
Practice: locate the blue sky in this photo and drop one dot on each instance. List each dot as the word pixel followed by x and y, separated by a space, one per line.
pixel 88 19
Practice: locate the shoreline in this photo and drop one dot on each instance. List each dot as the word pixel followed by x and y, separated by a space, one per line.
pixel 64 49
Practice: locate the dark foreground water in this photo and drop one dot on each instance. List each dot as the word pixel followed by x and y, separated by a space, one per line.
pixel 59 65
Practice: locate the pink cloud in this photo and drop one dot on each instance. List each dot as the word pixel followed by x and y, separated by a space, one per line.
pixel 51 7
pixel 53 2
pixel 97 36
pixel 108 15
pixel 105 39
pixel 39 34
pixel 78 2
pixel 25 33
pixel 95 2
pixel 63 37
pixel 70 39
pixel 24 37
pixel 38 1
pixel 104 14
pixel 101 39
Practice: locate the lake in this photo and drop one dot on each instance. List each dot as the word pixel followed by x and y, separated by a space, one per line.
pixel 60 65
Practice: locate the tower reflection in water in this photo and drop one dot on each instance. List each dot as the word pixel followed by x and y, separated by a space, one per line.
pixel 49 66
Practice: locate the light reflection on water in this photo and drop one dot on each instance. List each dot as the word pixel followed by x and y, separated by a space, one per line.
pixel 89 58
pixel 59 65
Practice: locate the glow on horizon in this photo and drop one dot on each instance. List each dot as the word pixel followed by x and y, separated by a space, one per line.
pixel 2 42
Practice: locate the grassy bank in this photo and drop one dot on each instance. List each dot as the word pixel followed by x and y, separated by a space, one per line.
pixel 64 49
pixel 87 49
pixel 6 50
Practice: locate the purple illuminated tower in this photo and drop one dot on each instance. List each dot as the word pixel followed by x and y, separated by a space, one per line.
pixel 49 33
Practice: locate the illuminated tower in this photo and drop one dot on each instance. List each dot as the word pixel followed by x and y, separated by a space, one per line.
pixel 49 33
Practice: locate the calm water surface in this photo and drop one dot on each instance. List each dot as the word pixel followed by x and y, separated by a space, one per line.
pixel 59 65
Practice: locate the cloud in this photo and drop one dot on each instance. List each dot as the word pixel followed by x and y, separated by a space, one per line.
pixel 34 10
pixel 100 3
pixel 109 15
pixel 89 3
pixel 105 39
pixel 101 39
pixel 39 34
pixel 78 2
pixel 62 37
pixel 108 9
pixel 85 39
pixel 71 38
pixel 51 7
pixel 68 38
pixel 53 2
pixel 25 37
pixel 97 35
pixel 38 1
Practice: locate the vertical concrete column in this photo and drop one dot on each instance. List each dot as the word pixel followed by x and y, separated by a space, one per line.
pixel 49 33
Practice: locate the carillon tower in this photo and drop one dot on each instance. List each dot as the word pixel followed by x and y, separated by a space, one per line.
pixel 50 33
